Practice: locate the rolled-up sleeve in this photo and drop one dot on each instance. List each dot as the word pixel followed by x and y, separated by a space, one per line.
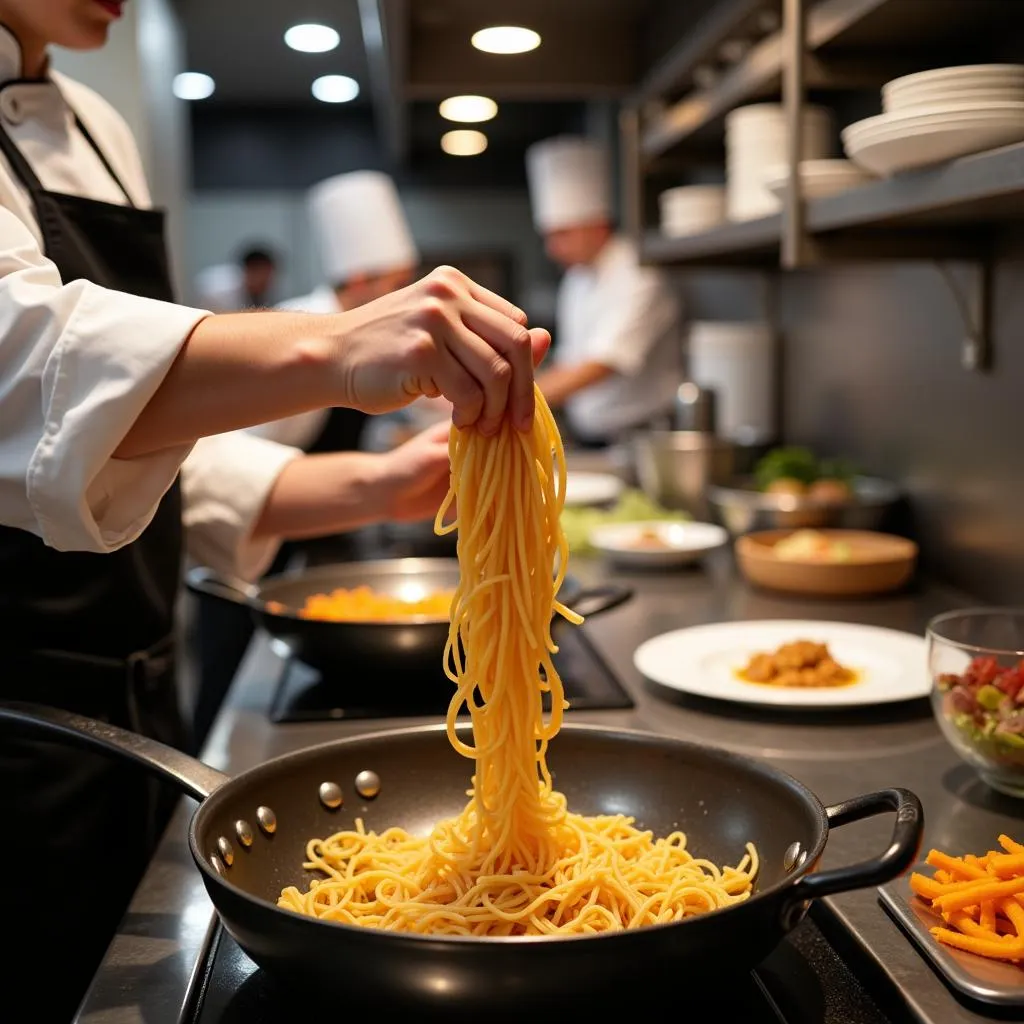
pixel 225 484
pixel 78 363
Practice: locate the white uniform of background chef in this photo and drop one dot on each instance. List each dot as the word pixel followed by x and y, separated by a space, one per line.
pixel 366 250
pixel 617 357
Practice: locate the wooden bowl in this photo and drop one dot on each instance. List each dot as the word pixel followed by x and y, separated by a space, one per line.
pixel 877 563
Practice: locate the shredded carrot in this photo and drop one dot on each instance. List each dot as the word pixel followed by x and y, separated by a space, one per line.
pixel 980 900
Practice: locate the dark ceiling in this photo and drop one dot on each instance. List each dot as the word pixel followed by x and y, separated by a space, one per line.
pixel 407 55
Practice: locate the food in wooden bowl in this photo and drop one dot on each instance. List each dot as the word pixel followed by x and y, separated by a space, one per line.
pixel 831 563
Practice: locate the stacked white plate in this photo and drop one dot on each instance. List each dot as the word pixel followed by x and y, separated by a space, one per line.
pixel 690 209
pixel 934 116
pixel 818 178
pixel 977 84
pixel 756 138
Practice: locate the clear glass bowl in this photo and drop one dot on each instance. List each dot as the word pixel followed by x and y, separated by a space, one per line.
pixel 976 660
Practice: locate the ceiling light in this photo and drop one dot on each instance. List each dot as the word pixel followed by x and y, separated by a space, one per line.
pixel 192 85
pixel 468 109
pixel 506 39
pixel 463 142
pixel 335 88
pixel 312 38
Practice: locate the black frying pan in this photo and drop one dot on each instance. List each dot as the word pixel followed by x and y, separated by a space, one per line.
pixel 394 648
pixel 720 799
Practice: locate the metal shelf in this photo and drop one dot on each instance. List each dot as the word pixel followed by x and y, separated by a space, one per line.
pixel 736 243
pixel 936 212
pixel 757 73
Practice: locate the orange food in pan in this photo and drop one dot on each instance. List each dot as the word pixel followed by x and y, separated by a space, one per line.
pixel 980 899
pixel 364 604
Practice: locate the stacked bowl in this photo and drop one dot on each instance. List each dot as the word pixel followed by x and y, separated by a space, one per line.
pixel 690 209
pixel 756 137
pixel 933 116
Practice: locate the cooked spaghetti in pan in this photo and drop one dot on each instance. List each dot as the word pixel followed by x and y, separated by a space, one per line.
pixel 516 860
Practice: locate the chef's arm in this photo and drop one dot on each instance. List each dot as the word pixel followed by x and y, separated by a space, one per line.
pixel 562 382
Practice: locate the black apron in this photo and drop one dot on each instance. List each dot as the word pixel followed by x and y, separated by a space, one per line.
pixel 91 633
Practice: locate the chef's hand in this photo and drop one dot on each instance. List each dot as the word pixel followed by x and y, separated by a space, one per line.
pixel 444 335
pixel 414 476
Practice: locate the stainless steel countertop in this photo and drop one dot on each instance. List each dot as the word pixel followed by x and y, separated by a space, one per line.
pixel 146 972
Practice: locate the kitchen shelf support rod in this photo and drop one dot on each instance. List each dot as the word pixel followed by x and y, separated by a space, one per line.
pixel 795 241
pixel 974 301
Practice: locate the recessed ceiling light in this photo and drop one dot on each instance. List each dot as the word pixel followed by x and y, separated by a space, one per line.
pixel 506 39
pixel 192 85
pixel 464 142
pixel 335 88
pixel 468 109
pixel 312 38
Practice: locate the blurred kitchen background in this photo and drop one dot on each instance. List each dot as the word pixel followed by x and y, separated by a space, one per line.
pixel 870 362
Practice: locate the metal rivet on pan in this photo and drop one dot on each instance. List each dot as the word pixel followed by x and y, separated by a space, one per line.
pixel 368 784
pixel 244 832
pixel 794 856
pixel 217 866
pixel 267 819
pixel 226 852
pixel 330 795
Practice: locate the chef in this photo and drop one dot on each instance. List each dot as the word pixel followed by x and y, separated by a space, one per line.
pixel 617 356
pixel 105 386
pixel 366 251
pixel 245 284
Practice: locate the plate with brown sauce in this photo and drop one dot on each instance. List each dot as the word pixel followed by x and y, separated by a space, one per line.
pixel 789 663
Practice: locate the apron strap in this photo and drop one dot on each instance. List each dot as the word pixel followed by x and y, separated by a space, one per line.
pixel 28 177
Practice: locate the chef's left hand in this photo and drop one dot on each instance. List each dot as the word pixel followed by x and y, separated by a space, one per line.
pixel 415 475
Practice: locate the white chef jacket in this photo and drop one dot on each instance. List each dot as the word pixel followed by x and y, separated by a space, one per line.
pixel 78 362
pixel 302 429
pixel 627 317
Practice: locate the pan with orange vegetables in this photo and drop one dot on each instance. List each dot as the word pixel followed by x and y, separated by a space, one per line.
pixel 384 616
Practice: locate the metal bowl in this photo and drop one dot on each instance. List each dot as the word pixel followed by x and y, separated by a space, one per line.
pixel 676 467
pixel 741 508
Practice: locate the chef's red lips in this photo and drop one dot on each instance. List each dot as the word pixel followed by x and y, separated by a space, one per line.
pixel 112 7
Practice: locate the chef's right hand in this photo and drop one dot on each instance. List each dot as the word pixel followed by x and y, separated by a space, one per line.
pixel 444 335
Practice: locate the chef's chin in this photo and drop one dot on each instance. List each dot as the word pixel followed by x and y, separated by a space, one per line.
pixel 87 25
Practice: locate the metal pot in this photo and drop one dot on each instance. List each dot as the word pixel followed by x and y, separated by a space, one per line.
pixel 409 648
pixel 677 467
pixel 741 508
pixel 248 839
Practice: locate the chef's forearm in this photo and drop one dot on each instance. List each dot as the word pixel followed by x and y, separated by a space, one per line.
pixel 562 382
pixel 319 495
pixel 236 370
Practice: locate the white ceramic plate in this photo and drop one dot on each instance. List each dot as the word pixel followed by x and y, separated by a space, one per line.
pixel 677 543
pixel 591 488
pixel 888 151
pixel 703 661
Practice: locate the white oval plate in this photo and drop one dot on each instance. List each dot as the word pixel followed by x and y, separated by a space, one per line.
pixel 592 488
pixel 683 542
pixel 703 661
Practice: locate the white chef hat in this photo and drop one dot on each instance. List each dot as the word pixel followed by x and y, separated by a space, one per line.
pixel 361 226
pixel 569 182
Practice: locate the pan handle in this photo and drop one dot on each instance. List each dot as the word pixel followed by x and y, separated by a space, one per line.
pixel 901 853
pixel 195 778
pixel 202 580
pixel 595 600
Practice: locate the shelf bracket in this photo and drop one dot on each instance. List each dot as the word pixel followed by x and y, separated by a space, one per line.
pixel 973 298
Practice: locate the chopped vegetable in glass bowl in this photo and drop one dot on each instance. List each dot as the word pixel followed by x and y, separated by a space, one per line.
pixel 976 658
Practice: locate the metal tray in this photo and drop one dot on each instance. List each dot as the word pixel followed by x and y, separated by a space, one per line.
pixel 993 982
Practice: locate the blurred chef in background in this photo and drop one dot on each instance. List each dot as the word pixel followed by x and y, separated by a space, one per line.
pixel 617 357
pixel 245 284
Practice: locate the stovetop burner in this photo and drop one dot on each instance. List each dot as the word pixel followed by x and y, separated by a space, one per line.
pixel 802 982
pixel 305 695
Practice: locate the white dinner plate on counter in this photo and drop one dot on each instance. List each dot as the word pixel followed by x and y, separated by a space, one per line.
pixel 705 661
pixel 592 488
pixel 658 544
